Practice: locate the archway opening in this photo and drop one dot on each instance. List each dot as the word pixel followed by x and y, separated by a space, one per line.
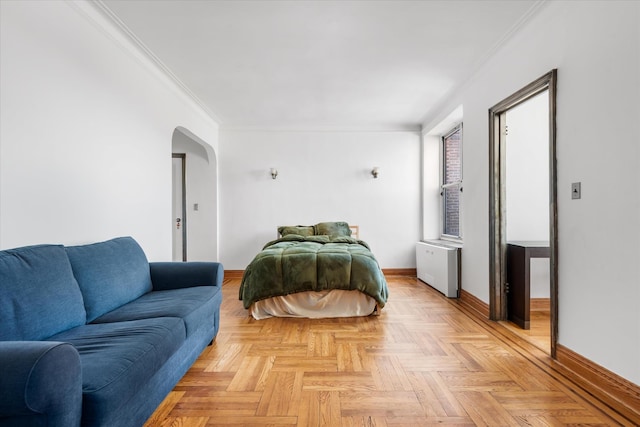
pixel 200 197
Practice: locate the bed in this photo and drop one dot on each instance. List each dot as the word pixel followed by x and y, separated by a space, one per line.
pixel 314 271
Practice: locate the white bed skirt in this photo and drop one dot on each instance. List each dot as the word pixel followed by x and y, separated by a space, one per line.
pixel 315 305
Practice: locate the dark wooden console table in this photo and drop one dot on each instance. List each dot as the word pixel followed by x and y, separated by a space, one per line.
pixel 519 256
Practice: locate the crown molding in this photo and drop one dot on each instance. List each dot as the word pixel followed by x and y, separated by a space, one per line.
pixel 99 14
pixel 415 128
pixel 431 117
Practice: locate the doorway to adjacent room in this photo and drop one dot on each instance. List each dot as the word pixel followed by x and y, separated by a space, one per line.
pixel 523 212
pixel 178 207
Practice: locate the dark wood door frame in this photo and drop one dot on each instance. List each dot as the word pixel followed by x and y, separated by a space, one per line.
pixel 497 201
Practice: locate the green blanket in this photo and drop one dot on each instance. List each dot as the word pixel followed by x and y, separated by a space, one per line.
pixel 312 263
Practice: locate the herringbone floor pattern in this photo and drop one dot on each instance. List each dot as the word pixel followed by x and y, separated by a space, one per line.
pixel 422 362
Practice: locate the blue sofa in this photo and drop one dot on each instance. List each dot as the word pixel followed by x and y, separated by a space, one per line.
pixel 95 335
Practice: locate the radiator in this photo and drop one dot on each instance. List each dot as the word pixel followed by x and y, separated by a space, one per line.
pixel 437 265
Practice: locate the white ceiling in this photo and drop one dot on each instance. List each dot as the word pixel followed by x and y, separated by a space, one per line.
pixel 321 64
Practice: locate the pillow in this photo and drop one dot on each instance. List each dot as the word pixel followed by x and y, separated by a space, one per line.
pixel 301 230
pixel 339 228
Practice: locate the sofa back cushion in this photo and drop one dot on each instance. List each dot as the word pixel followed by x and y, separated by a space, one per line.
pixel 110 274
pixel 39 296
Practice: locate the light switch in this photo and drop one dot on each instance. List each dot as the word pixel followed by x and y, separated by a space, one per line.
pixel 575 190
pixel 195 206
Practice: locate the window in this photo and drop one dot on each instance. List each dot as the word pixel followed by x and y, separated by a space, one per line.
pixel 451 187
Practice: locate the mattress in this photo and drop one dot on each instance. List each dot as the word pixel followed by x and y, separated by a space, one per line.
pixel 312 304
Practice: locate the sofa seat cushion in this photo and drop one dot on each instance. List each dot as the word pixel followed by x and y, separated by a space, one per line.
pixel 118 358
pixel 196 306
pixel 39 296
pixel 110 274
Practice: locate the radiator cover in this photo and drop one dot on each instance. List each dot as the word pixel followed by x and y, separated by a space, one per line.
pixel 438 265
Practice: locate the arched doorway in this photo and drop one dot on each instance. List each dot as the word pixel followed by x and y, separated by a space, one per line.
pixel 199 221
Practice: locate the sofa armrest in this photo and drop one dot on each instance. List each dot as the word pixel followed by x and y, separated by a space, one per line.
pixel 174 275
pixel 40 384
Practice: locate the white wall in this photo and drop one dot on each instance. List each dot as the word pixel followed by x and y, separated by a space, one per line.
pixel 201 189
pixel 323 176
pixel 85 131
pixel 527 170
pixel 527 182
pixel 595 46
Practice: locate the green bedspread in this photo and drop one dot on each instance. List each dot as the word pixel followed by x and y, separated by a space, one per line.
pixel 297 263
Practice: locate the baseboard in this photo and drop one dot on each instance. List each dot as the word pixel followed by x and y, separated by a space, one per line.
pixel 540 304
pixel 474 303
pixel 233 274
pixel 411 272
pixel 617 392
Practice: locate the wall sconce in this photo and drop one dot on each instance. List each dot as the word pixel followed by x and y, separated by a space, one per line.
pixel 375 171
pixel 274 173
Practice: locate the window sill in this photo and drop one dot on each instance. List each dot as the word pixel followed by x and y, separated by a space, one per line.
pixel 446 242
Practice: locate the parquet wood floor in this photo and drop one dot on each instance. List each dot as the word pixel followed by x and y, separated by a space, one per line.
pixel 424 361
pixel 540 332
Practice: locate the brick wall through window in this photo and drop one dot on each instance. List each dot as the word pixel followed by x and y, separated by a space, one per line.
pixel 452 174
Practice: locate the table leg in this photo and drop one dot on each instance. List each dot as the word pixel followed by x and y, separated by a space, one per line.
pixel 518 278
